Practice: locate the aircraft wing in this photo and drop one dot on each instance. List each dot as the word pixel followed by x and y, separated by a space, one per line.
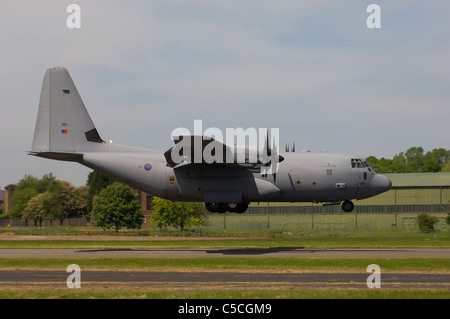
pixel 205 150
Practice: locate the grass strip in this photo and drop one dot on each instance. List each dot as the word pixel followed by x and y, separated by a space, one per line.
pixel 417 241
pixel 439 265
pixel 300 294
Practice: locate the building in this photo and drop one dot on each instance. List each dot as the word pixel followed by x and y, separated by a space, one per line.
pixel 146 201
pixel 8 194
pixel 2 200
pixel 414 189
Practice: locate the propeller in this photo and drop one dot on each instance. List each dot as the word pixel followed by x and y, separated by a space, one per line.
pixel 276 154
pixel 271 151
pixel 267 149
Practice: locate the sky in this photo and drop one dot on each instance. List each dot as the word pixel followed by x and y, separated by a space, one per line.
pixel 313 69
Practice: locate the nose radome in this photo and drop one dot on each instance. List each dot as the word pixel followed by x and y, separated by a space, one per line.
pixel 381 183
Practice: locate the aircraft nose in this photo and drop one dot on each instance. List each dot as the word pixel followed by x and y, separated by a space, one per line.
pixel 381 183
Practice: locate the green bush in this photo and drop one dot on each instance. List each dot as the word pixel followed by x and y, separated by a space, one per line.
pixel 178 214
pixel 426 222
pixel 116 206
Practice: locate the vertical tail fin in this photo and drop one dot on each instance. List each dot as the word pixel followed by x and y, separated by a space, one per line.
pixel 63 124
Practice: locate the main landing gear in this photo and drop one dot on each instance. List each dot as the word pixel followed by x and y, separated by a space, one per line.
pixel 347 206
pixel 224 207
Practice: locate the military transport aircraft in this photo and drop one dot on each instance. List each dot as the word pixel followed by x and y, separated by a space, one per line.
pixel 64 131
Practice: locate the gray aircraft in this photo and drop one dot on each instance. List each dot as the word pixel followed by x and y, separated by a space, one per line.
pixel 64 131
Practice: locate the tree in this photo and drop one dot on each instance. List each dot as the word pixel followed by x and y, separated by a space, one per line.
pixel 43 206
pixel 96 182
pixel 382 165
pixel 435 160
pixel 20 201
pixel 446 167
pixel 400 164
pixel 116 206
pixel 27 188
pixel 413 161
pixel 426 222
pixel 178 214
pixel 73 200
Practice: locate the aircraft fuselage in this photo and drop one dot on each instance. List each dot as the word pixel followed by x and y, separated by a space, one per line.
pixel 303 177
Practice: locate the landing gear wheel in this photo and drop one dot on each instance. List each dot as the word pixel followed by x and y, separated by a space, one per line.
pixel 347 206
pixel 232 207
pixel 212 207
pixel 222 208
pixel 241 208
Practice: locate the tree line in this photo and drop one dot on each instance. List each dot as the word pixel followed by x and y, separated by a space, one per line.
pixel 413 161
pixel 47 199
pixel 110 204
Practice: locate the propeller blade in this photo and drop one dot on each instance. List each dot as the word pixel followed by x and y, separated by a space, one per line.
pixel 269 151
pixel 274 146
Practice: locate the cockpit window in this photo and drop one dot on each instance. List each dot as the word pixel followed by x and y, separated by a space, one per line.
pixel 360 163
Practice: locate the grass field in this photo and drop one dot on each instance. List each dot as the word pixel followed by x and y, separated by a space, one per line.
pixel 75 237
pixel 261 264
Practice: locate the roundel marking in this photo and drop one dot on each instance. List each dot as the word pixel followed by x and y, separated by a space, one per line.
pixel 147 167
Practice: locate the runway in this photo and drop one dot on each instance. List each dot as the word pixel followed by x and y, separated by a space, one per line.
pixel 275 252
pixel 219 280
pixel 213 281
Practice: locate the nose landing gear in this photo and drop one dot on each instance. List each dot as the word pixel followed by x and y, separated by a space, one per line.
pixel 347 206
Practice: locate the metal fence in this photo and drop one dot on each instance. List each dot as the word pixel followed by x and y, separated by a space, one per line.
pixel 295 218
pixel 4 222
pixel 336 209
pixel 307 221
